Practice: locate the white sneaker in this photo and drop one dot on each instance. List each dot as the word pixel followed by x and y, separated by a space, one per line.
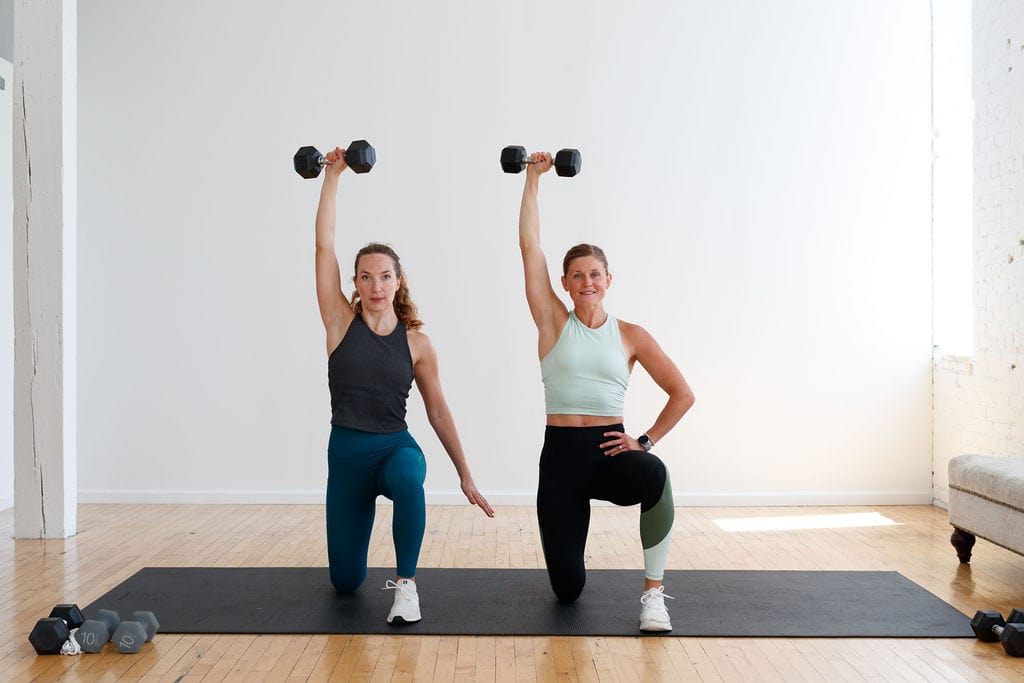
pixel 653 615
pixel 406 609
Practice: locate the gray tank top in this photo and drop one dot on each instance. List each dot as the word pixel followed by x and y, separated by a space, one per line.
pixel 369 376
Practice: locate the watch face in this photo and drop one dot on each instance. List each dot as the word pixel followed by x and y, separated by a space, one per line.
pixel 645 442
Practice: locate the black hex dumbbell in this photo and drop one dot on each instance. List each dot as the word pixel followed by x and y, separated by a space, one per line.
pixel 514 159
pixel 989 626
pixel 49 635
pixel 359 155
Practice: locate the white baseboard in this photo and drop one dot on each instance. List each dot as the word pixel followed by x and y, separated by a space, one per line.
pixel 768 499
pixel 521 499
pixel 270 498
pixel 204 497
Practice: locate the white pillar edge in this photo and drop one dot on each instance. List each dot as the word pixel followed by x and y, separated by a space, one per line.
pixel 45 268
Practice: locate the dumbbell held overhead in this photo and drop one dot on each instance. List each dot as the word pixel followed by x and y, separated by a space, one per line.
pixel 567 163
pixel 359 155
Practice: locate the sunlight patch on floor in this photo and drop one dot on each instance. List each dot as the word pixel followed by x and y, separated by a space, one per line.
pixel 837 521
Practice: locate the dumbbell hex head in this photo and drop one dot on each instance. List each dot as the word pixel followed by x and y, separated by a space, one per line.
pixel 96 632
pixel 134 631
pixel 109 617
pixel 148 621
pixel 308 161
pixel 1012 639
pixel 360 156
pixel 983 623
pixel 48 635
pixel 513 159
pixel 568 162
pixel 129 637
pixel 93 635
pixel 70 614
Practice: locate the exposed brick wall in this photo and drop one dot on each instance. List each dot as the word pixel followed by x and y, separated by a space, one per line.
pixel 979 402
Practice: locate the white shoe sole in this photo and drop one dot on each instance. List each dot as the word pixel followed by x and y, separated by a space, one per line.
pixel 402 620
pixel 656 627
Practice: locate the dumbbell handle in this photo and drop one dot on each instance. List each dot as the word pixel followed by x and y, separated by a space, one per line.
pixel 323 160
pixel 1012 619
pixel 529 159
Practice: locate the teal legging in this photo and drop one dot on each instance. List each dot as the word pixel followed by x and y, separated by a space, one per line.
pixel 362 466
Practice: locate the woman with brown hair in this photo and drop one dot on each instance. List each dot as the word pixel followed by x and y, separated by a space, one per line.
pixel 586 357
pixel 375 350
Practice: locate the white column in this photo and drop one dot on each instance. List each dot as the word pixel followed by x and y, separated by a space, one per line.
pixel 6 291
pixel 45 270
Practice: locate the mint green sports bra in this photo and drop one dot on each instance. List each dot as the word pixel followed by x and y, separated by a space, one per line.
pixel 587 372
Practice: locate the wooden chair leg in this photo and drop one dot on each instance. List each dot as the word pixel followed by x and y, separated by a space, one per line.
pixel 963 542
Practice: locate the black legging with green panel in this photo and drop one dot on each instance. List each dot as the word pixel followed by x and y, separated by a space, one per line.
pixel 573 471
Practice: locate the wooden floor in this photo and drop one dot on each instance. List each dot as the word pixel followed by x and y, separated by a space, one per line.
pixel 114 541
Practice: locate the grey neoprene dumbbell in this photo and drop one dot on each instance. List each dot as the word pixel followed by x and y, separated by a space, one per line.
pixel 134 631
pixel 94 633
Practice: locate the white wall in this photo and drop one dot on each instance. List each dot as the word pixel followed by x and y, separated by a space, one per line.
pixel 6 291
pixel 979 401
pixel 757 172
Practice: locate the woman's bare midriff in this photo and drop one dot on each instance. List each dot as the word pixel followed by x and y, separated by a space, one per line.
pixel 582 420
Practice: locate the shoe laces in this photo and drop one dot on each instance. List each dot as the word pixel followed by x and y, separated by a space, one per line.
pixel 407 590
pixel 656 593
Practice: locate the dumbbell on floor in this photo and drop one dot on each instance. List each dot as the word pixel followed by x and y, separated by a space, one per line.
pixel 514 159
pixel 359 155
pixel 989 626
pixel 133 632
pixel 93 634
pixel 49 635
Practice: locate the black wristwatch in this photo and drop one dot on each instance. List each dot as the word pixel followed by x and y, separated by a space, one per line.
pixel 645 442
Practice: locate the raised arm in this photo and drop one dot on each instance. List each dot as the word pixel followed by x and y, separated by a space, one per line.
pixel 335 310
pixel 428 381
pixel 548 311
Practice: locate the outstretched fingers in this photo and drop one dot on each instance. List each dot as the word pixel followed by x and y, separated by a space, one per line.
pixel 477 498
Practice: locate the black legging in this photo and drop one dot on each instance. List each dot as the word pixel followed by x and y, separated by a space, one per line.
pixel 574 470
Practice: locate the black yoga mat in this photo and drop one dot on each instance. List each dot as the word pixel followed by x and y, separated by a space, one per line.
pixel 520 602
